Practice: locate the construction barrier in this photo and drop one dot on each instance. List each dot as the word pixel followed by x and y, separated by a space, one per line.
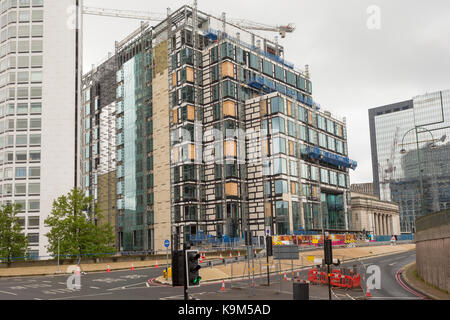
pixel 337 279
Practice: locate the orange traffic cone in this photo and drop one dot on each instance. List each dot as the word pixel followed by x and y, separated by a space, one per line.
pixel 285 277
pixel 368 295
pixel 201 259
pixel 156 266
pixel 107 268
pixel 223 285
pixel 239 253
pixel 221 258
pixel 231 256
pixel 132 267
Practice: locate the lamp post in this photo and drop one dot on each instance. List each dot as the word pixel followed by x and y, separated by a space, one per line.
pixel 419 162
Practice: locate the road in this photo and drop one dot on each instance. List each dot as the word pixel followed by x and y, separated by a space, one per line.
pixel 139 284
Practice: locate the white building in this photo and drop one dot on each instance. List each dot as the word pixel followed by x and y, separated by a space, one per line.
pixel 39 81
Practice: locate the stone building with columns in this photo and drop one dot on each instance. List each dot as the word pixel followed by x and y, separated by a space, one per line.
pixel 374 216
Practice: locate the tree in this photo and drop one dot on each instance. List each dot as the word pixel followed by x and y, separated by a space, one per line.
pixel 73 221
pixel 13 243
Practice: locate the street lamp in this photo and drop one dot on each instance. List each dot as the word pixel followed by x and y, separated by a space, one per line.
pixel 432 146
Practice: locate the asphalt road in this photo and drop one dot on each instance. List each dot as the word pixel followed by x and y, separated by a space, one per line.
pixel 140 285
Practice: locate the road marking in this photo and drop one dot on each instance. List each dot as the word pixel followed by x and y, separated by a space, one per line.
pixel 90 295
pixel 94 287
pixel 14 294
pixel 391 264
pixel 350 296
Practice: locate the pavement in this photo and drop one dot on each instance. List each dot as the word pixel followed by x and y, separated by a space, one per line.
pixel 55 270
pixel 419 285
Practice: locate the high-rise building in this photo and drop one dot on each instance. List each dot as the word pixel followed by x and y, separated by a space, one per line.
pixel 39 84
pixel 216 134
pixel 409 158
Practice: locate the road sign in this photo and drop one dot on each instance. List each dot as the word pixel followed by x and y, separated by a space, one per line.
pixel 286 252
pixel 166 243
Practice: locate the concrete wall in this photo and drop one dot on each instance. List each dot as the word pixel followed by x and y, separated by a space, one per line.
pixel 433 249
pixel 161 147
pixel 58 108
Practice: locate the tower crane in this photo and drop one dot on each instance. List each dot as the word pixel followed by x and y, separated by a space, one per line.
pixel 150 16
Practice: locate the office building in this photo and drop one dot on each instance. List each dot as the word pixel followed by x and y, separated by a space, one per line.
pixel 409 155
pixel 39 93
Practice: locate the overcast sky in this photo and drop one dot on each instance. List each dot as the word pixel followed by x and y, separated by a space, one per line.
pixel 353 67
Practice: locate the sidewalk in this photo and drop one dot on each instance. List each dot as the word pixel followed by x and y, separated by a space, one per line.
pixel 409 275
pixel 240 269
pixel 52 270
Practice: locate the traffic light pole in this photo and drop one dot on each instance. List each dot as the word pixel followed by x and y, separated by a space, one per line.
pixel 186 297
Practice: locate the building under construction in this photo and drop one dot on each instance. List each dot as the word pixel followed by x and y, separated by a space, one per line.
pixel 197 128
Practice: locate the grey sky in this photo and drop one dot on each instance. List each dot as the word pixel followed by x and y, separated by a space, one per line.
pixel 353 68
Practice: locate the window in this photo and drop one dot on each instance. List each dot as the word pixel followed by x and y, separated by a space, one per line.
pixel 254 62
pixel 280 166
pixel 279 145
pixel 293 168
pixel 291 129
pixel 37 30
pixel 305 171
pixel 22 108
pixel 281 187
pixel 279 73
pixel 277 104
pixel 35 123
pixel 282 216
pixel 36 76
pixel 36 107
pixel 35 156
pixel 21 156
pixel 267 68
pixel 333 178
pixel 21 172
pixel 35 139
pixel 21 140
pixel 278 125
pixel 34 188
pixel 33 238
pixel 314 173
pixel 20 189
pixel 36 92
pixel 33 222
pixel 324 176
pixel 34 172
pixel 36 61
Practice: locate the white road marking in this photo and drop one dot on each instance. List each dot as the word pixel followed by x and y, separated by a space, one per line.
pixel 89 295
pixel 11 293
pixel 391 264
pixel 94 287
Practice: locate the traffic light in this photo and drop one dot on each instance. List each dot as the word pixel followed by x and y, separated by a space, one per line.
pixel 328 252
pixel 192 268
pixel 269 246
pixel 178 268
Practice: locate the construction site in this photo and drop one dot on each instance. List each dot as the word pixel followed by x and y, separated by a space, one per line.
pixel 210 121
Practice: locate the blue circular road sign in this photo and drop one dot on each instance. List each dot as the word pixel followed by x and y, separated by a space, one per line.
pixel 167 243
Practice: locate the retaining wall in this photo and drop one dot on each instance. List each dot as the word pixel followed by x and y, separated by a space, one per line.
pixel 433 249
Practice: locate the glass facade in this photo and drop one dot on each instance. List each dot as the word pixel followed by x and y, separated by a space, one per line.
pixel 404 135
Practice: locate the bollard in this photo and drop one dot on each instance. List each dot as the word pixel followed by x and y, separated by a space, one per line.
pixel 301 290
